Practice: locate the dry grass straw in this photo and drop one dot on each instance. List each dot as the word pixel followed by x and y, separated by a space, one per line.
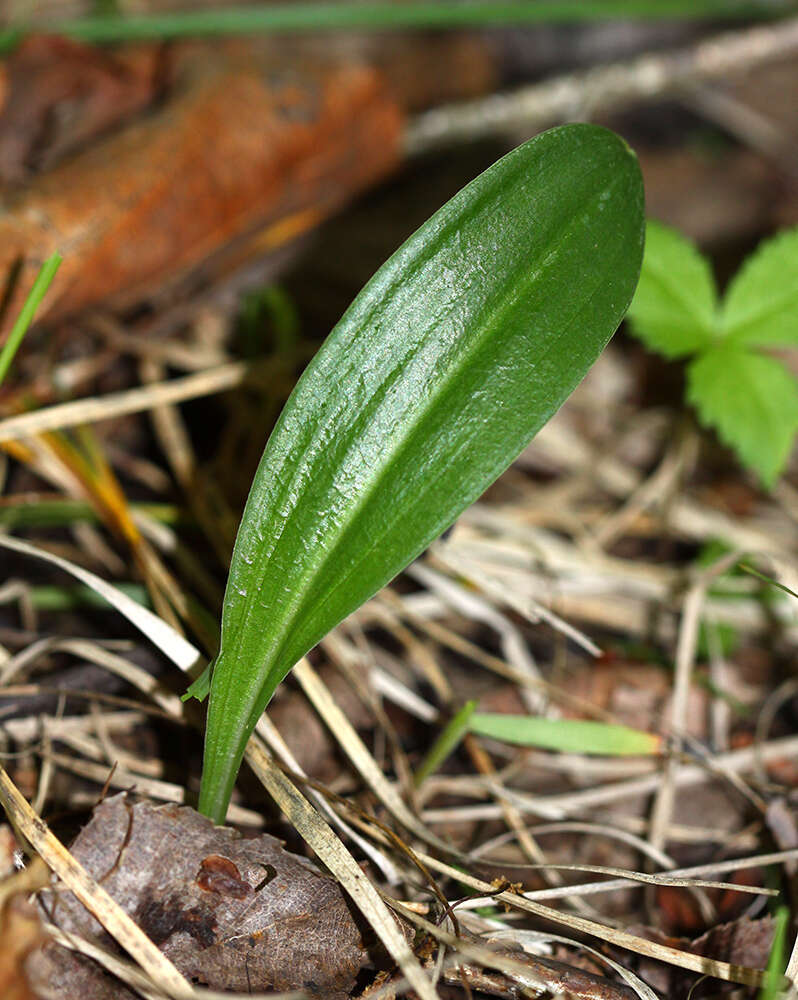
pixel 330 849
pixel 617 85
pixel 631 942
pixel 562 805
pixel 321 838
pixel 96 409
pixel 327 845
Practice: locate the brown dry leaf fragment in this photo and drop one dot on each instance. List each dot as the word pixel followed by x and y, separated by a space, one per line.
pixel 246 157
pixel 20 934
pixel 58 94
pixel 740 942
pixel 231 913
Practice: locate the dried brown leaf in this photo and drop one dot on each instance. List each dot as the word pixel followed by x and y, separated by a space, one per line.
pixel 59 94
pixel 739 942
pixel 230 912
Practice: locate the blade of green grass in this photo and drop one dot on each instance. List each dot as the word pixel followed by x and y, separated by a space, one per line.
pixel 452 733
pixel 56 512
pixel 25 318
pixel 774 986
pixel 565 735
pixel 767 579
pixel 381 16
pixel 68 598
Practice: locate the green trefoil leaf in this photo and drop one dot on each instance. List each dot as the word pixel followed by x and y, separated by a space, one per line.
pixel 760 308
pixel 751 401
pixel 675 305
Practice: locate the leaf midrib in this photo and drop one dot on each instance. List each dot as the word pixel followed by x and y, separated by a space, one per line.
pixel 497 467
pixel 399 276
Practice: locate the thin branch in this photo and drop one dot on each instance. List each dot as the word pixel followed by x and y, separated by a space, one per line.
pixel 603 88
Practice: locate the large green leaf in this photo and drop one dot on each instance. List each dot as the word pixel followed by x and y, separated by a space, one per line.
pixel 674 308
pixel 457 351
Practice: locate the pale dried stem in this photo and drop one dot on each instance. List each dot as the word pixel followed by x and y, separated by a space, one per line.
pixel 320 837
pixel 603 88
pixel 556 807
pixel 86 411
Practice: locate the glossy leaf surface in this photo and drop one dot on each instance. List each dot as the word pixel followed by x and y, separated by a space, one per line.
pixel 457 351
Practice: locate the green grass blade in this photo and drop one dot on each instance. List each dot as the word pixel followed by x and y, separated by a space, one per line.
pixel 777 961
pixel 453 356
pixel 566 735
pixel 766 579
pixel 385 16
pixel 68 598
pixel 25 318
pixel 452 733
pixel 56 512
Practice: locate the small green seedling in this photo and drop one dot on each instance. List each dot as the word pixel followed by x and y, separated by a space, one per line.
pixel 746 395
pixel 451 358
